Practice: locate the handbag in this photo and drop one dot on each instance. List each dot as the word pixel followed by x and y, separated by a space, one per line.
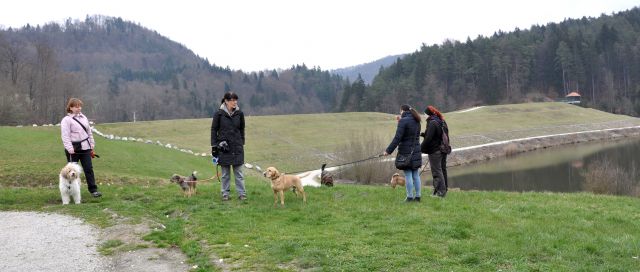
pixel 403 162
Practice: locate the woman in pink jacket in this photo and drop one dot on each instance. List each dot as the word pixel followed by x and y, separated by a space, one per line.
pixel 78 141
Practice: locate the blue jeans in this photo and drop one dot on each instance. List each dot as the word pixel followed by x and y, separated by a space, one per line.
pixel 412 178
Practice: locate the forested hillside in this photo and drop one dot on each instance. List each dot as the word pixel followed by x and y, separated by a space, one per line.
pixel 121 69
pixel 125 71
pixel 599 57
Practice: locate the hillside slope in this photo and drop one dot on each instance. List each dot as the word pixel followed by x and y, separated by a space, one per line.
pixel 308 140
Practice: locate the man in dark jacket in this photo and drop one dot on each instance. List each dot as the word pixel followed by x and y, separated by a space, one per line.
pixel 227 144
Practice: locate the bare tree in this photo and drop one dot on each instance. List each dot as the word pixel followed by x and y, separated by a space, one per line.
pixel 11 58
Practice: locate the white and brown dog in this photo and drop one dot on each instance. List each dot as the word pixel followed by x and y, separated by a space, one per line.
pixel 396 180
pixel 281 182
pixel 188 184
pixel 70 183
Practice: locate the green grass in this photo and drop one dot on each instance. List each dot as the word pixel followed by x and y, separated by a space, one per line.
pixel 305 141
pixel 368 228
pixel 344 228
pixel 108 248
pixel 34 156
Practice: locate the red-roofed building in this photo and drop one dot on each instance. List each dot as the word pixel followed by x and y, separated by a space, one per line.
pixel 573 98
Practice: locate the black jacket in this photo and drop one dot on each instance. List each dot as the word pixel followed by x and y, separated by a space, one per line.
pixel 229 127
pixel 433 135
pixel 407 136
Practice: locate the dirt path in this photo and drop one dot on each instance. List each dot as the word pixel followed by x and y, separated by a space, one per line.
pixel 31 241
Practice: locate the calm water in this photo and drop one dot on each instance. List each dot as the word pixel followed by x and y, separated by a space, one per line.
pixel 559 169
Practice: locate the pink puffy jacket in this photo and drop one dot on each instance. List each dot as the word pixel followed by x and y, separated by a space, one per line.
pixel 71 131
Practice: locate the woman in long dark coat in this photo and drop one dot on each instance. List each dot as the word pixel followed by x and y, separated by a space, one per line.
pixel 407 140
pixel 227 144
pixel 431 146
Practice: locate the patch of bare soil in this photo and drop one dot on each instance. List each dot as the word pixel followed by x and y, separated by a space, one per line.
pixel 134 254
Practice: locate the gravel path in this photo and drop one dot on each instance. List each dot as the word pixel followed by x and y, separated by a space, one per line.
pixel 32 241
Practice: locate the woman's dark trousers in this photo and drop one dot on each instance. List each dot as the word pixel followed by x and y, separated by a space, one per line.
pixel 87 167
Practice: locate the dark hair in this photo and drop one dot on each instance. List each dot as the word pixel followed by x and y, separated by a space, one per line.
pixel 229 96
pixel 431 110
pixel 415 114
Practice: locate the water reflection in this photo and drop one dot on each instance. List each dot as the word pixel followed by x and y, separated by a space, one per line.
pixel 560 169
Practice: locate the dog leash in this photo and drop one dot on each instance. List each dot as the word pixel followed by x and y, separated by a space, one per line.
pixel 343 164
pixel 216 175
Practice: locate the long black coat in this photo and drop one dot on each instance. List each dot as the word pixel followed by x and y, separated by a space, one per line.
pixel 407 137
pixel 230 128
pixel 433 135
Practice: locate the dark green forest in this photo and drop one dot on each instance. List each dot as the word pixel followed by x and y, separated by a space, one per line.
pixel 121 70
pixel 598 57
pixel 124 71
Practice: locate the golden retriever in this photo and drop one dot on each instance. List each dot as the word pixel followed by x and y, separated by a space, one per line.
pixel 397 179
pixel 281 182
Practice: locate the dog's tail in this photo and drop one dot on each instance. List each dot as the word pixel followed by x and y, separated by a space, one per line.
pixel 193 175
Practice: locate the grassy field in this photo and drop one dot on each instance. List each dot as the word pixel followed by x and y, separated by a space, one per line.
pixel 368 228
pixel 307 140
pixel 344 228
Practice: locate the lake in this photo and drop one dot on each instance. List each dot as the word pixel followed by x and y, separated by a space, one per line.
pixel 611 167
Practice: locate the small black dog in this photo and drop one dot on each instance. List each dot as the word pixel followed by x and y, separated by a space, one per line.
pixel 188 184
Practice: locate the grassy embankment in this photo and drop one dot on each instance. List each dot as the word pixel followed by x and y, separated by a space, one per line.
pixel 305 141
pixel 353 228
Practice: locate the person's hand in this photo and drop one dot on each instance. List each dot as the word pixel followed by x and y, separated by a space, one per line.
pixel 398 118
pixel 214 151
pixel 93 154
pixel 385 154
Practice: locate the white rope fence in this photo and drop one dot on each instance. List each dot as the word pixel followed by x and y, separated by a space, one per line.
pixel 131 139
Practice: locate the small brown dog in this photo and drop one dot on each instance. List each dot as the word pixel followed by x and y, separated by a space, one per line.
pixel 281 182
pixel 188 184
pixel 397 179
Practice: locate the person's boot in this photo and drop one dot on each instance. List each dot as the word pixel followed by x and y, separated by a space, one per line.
pixel 408 199
pixel 416 199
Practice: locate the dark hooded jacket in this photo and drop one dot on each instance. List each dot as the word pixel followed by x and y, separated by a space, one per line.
pixel 406 138
pixel 229 126
pixel 433 135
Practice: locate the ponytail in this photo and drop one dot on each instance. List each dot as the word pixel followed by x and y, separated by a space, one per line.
pixel 414 113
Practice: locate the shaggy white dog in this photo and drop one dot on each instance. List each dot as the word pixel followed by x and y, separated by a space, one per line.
pixel 70 183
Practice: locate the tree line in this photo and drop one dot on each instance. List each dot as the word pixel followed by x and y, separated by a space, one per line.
pixel 121 70
pixel 598 57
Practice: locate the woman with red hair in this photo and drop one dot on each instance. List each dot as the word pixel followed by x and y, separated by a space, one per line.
pixel 431 146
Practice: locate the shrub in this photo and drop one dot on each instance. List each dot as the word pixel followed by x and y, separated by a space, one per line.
pixel 361 146
pixel 604 177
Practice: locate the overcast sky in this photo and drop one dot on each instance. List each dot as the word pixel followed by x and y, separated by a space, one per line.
pixel 259 34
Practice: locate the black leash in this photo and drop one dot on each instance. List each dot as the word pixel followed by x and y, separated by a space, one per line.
pixel 343 164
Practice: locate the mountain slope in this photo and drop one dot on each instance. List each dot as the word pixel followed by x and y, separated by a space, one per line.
pixel 120 69
pixel 367 71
